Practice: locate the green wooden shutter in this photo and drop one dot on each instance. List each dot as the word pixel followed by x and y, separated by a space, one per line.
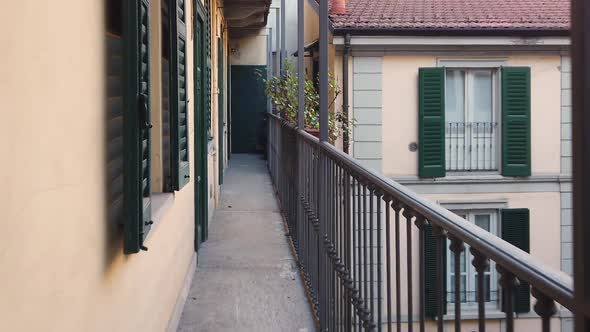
pixel 431 121
pixel 179 104
pixel 515 230
pixel 115 131
pixel 208 85
pixel 516 121
pixel 221 105
pixel 430 286
pixel 136 125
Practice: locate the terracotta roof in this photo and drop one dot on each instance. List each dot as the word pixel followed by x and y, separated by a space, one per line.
pixel 455 15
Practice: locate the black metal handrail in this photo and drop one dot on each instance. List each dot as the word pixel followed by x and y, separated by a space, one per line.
pixel 554 283
pixel 337 210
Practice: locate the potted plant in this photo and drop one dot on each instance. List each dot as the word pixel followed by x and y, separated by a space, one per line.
pixel 283 92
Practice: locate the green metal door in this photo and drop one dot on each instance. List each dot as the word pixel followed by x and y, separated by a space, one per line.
pixel 200 121
pixel 248 107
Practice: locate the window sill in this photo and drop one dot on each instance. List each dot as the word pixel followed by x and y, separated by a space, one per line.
pixel 473 174
pixel 481 178
pixel 161 204
pixel 470 314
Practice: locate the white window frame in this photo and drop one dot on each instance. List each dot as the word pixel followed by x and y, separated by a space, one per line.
pixel 476 207
pixel 471 274
pixel 470 64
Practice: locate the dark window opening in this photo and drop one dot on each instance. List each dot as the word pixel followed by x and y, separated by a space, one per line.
pixel 114 17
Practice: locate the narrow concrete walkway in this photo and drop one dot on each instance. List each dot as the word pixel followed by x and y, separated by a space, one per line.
pixel 246 277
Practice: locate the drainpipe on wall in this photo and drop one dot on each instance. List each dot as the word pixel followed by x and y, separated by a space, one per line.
pixel 345 106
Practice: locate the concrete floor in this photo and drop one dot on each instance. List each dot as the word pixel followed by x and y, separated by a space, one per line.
pixel 246 277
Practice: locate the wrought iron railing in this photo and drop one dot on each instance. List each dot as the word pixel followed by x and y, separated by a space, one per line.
pixel 355 231
pixel 471 146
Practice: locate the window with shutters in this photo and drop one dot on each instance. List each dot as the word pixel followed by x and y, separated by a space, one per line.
pixel 512 225
pixel 179 128
pixel 471 119
pixel 488 220
pixel 147 148
pixel 474 119
pixel 130 120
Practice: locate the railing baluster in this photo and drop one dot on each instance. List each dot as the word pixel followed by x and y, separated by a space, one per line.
pixel 349 250
pixel 409 215
pixel 341 247
pixel 354 244
pixel 484 145
pixel 361 243
pixel 420 223
pixel 457 248
pixel 477 131
pixel 323 277
pixel 387 200
pixel 508 281
pixel 398 299
pixel 457 146
pixel 379 262
pixel 464 147
pixel 338 250
pixel 471 145
pixel 449 138
pixel 331 240
pixel 439 235
pixel 365 258
pixel 544 307
pixel 371 254
pixel 331 236
pixel 480 262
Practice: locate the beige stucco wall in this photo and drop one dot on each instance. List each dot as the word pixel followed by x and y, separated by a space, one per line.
pixel 61 268
pixel 400 105
pixel 249 50
pixel 312 23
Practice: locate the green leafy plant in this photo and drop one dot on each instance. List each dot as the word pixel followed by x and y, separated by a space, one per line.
pixel 283 91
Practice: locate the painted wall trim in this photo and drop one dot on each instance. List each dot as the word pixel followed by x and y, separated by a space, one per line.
pixel 450 50
pixel 566 204
pixel 474 204
pixel 489 184
pixel 182 296
pixel 471 62
pixel 367 140
pixel 455 41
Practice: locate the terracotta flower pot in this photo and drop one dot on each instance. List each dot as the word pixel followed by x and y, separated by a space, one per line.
pixel 313 132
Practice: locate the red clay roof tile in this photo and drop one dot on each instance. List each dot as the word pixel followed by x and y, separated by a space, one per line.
pixel 533 15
